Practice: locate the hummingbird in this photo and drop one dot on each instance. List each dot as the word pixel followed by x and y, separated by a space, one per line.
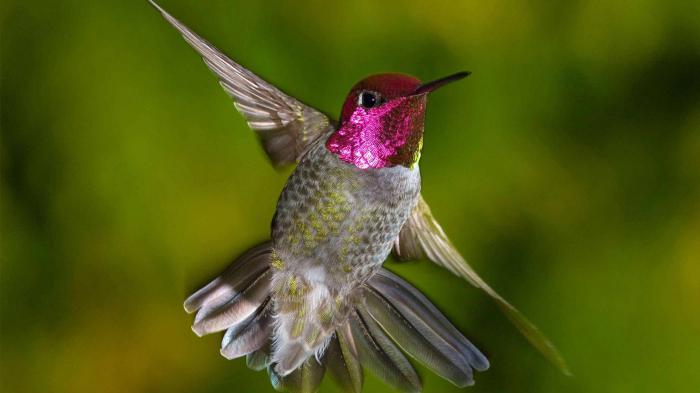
pixel 315 297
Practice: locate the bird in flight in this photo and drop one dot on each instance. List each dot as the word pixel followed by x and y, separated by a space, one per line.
pixel 315 297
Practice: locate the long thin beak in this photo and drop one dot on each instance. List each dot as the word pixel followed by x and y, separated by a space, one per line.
pixel 436 84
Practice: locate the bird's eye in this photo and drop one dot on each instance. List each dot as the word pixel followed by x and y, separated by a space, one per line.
pixel 369 99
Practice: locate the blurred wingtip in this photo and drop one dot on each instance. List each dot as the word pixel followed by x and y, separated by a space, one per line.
pixel 160 9
pixel 534 336
pixel 155 5
pixel 564 367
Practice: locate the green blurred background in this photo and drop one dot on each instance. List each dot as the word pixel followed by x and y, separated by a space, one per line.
pixel 566 169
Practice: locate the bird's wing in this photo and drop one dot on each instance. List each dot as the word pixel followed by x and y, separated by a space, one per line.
pixel 422 237
pixel 285 126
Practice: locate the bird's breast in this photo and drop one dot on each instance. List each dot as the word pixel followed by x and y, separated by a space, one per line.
pixel 340 221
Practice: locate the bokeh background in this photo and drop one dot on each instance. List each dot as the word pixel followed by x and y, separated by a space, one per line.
pixel 566 169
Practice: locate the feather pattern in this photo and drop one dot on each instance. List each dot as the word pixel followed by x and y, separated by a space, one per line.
pixel 245 338
pixel 423 237
pixel 343 361
pixel 423 344
pixel 235 310
pixel 301 329
pixel 385 317
pixel 240 273
pixel 235 296
pixel 259 359
pixel 424 316
pixel 285 126
pixel 381 355
pixel 304 379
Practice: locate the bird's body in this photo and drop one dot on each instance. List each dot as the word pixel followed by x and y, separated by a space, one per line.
pixel 316 297
pixel 334 227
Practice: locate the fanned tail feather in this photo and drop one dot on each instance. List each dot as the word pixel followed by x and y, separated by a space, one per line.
pixel 388 319
pixel 381 355
pixel 304 379
pixel 239 302
pixel 343 361
pixel 426 319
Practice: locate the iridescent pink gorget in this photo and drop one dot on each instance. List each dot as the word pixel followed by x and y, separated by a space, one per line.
pixel 387 135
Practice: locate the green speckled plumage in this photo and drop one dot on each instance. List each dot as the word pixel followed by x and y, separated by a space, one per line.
pixel 334 226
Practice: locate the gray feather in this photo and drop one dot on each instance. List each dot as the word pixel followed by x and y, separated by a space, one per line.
pixel 419 341
pixel 239 274
pixel 245 338
pixel 422 236
pixel 291 356
pixel 274 115
pixel 234 311
pixel 260 358
pixel 304 379
pixel 343 362
pixel 381 356
pixel 423 315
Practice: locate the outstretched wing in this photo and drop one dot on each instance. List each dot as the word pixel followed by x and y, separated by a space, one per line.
pixel 422 237
pixel 285 126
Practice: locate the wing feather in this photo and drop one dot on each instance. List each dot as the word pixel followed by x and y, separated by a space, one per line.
pixel 296 125
pixel 423 237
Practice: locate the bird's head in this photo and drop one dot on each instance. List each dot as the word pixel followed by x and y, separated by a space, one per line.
pixel 381 124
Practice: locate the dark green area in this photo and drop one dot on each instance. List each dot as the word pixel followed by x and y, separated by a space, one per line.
pixel 566 169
